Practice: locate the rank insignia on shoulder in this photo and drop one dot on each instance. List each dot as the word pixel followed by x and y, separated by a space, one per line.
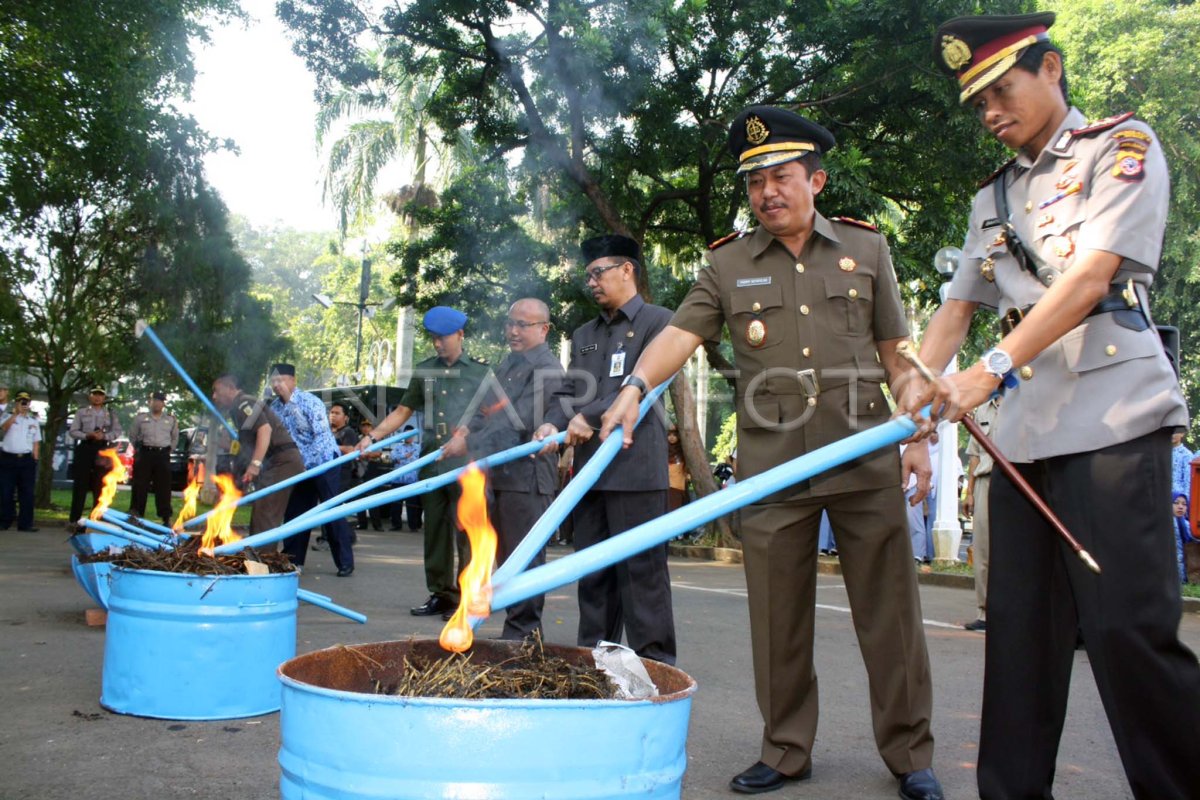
pixel 482 361
pixel 246 407
pixel 724 240
pixel 986 181
pixel 858 222
pixel 1102 124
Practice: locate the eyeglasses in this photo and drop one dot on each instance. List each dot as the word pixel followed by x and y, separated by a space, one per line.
pixel 22 402
pixel 595 274
pixel 522 324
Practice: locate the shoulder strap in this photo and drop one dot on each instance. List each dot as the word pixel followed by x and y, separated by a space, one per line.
pixel 1028 259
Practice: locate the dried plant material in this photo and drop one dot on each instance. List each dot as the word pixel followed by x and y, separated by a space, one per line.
pixel 528 675
pixel 186 557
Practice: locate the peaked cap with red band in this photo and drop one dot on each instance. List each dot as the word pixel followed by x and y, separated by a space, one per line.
pixel 978 50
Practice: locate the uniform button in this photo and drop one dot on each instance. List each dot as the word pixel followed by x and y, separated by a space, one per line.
pixel 1111 350
pixel 756 307
pixel 440 414
pixel 812 401
pixel 1026 372
pixel 871 405
pixel 853 293
pixel 1029 207
pixel 804 310
pixel 807 352
pixel 799 267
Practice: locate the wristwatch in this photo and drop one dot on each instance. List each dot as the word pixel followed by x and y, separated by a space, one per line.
pixel 637 383
pixel 996 362
pixel 256 464
pixel 371 436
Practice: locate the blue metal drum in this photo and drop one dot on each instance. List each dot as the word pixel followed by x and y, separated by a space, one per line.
pixel 91 542
pixel 93 578
pixel 197 647
pixel 342 741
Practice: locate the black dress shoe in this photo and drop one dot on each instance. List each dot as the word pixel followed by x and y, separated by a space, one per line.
pixel 345 572
pixel 377 526
pixel 761 778
pixel 434 605
pixel 921 785
pixel 447 615
pixel 976 625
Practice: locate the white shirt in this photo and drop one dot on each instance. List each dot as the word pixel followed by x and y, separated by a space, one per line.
pixel 21 436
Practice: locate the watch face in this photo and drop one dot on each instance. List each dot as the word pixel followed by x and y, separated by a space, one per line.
pixel 999 362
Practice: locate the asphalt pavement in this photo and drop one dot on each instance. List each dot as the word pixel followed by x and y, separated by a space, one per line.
pixel 58 743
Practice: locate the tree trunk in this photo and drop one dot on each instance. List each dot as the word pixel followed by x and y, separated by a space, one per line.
pixel 695 457
pixel 56 415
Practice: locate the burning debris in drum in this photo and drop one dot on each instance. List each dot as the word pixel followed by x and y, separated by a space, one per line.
pixel 186 557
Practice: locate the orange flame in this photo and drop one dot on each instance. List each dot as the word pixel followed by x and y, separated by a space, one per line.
pixel 115 475
pixel 475 582
pixel 217 528
pixel 190 494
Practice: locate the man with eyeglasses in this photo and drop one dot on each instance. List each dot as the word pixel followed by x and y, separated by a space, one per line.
pixel 634 595
pixel 447 388
pixel 20 437
pixel 521 491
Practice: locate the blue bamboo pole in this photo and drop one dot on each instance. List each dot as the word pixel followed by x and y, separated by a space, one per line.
pixel 321 601
pixel 570 496
pixel 129 526
pixel 136 538
pixel 114 516
pixel 366 486
pixel 143 328
pixel 308 473
pixel 548 577
pixel 420 487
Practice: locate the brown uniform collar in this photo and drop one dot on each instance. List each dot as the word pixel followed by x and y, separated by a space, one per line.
pixel 762 238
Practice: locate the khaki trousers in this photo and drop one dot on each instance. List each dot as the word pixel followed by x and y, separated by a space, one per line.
pixel 980 534
pixel 779 543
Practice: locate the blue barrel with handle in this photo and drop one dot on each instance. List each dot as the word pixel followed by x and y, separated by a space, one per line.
pixel 197 647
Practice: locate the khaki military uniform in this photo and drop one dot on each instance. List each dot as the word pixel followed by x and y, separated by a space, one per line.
pixel 981 482
pixel 804 331
pixel 449 394
pixel 1090 418
pixel 282 460
pixel 153 439
pixel 88 472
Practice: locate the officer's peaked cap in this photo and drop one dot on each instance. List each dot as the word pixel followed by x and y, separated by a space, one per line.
pixel 977 50
pixel 765 136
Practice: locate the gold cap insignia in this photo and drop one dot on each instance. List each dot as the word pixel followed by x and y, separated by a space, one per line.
pixel 955 52
pixel 756 333
pixel 847 265
pixel 756 130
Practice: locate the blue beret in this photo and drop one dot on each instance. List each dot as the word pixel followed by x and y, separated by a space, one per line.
pixel 443 320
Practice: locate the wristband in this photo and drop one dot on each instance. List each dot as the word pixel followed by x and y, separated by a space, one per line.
pixel 371 436
pixel 637 383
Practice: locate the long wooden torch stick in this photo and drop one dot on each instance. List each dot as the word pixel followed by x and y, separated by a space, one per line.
pixel 909 354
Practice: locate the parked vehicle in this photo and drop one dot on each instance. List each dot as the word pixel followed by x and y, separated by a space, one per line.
pixel 125 452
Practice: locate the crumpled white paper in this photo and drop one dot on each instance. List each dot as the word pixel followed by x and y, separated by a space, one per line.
pixel 625 669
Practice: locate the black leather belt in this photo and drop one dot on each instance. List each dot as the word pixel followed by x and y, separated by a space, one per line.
pixel 1121 301
pixel 7 454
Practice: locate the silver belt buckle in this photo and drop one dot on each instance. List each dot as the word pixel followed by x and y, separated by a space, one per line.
pixel 808 382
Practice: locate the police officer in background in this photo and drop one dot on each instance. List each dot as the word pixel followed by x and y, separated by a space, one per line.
pixel 265 445
pixel 634 595
pixel 93 429
pixel 446 388
pixel 815 318
pixel 154 434
pixel 20 440
pixel 1064 241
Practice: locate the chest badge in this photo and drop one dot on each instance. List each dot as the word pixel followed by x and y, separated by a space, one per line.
pixel 1062 246
pixel 1044 220
pixel 756 333
pixel 847 264
pixel 988 269
pixel 1074 188
pixel 1000 239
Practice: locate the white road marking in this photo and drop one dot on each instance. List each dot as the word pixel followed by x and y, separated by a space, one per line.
pixel 742 593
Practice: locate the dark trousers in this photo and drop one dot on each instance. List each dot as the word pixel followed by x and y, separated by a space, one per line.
pixel 305 495
pixel 442 538
pixel 1117 502
pixel 633 596
pixel 18 475
pixel 513 514
pixel 413 504
pixel 375 513
pixel 152 468
pixel 779 551
pixel 89 477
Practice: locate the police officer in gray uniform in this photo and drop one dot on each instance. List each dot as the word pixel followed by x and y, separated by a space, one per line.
pixel 634 595
pixel 521 491
pixel 153 434
pixel 1064 242
pixel 93 429
pixel 815 319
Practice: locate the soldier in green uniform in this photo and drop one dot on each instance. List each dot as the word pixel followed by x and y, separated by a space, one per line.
pixel 446 389
pixel 815 317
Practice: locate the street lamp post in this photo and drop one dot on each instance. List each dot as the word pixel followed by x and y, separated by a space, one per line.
pixel 364 308
pixel 947 532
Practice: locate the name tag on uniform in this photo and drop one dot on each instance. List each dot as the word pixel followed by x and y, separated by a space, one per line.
pixel 616 367
pixel 744 282
pixel 589 348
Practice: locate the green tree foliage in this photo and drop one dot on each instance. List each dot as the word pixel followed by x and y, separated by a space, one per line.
pixel 104 213
pixel 1140 56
